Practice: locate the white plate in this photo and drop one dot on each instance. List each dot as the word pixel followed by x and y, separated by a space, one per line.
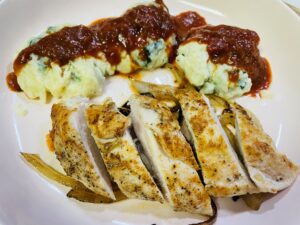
pixel 27 198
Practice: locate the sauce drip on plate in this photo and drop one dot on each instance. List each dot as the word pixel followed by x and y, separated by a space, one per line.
pixel 12 83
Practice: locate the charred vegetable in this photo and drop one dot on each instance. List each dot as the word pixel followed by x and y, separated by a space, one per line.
pixel 37 163
pixel 86 195
pixel 254 201
pixel 78 191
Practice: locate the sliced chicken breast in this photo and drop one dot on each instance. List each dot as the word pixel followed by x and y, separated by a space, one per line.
pixel 270 170
pixel 170 156
pixel 76 149
pixel 222 172
pixel 110 130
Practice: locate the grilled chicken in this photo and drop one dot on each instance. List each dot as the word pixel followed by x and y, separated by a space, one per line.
pixel 170 156
pixel 110 130
pixel 76 149
pixel 223 173
pixel 270 170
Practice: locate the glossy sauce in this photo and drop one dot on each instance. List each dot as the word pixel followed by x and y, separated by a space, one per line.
pixel 186 21
pixel 132 31
pixel 233 76
pixel 12 83
pixel 99 21
pixel 61 47
pixel 263 80
pixel 110 36
pixel 237 47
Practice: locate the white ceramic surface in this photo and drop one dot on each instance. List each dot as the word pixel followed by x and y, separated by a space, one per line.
pixel 29 199
pixel 295 3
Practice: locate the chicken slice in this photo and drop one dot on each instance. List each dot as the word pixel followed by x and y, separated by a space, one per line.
pixel 222 172
pixel 110 130
pixel 76 149
pixel 170 156
pixel 270 170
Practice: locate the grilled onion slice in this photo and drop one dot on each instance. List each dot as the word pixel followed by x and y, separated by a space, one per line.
pixel 78 191
pixel 254 201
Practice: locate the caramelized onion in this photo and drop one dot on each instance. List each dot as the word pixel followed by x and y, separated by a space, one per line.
pixel 254 201
pixel 78 191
